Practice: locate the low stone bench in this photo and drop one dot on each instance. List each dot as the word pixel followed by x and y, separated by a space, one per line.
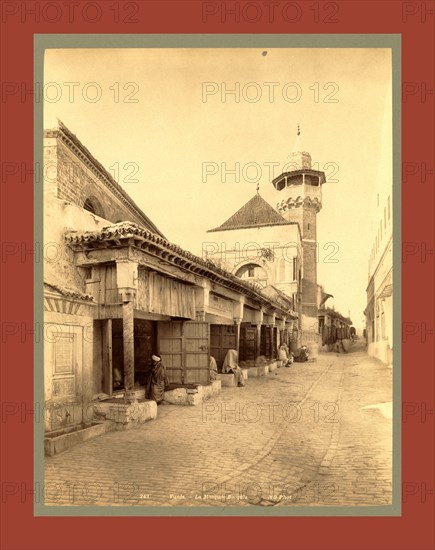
pixel 193 396
pixel 258 371
pixel 263 370
pixel 126 415
pixel 229 380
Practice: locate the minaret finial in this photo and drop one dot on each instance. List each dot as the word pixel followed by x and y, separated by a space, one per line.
pixel 299 130
pixel 258 188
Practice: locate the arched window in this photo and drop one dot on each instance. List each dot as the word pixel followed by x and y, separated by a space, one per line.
pixel 89 206
pixel 93 205
pixel 253 272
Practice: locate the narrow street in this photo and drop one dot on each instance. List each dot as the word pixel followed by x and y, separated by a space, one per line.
pixel 312 434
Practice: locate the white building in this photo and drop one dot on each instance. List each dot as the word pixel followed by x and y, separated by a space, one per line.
pixel 277 247
pixel 379 311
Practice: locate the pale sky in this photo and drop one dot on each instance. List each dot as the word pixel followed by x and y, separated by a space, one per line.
pixel 173 133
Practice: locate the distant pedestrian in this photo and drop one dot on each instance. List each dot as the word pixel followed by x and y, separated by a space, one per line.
pixel 231 366
pixel 158 381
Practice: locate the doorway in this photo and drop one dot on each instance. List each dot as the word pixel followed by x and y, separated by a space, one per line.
pixel 184 349
pixel 248 342
pixel 222 338
pixel 144 348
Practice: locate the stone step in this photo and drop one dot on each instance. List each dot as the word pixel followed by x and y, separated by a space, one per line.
pixel 258 371
pixel 126 415
pixel 195 395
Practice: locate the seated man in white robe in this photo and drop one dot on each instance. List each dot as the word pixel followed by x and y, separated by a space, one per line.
pixel 213 368
pixel 284 357
pixel 231 366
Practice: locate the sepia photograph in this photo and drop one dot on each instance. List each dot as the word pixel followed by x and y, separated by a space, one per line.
pixel 217 279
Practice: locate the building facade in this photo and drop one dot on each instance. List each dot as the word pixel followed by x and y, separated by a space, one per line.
pixel 379 310
pixel 277 247
pixel 117 291
pixel 257 245
pixel 333 327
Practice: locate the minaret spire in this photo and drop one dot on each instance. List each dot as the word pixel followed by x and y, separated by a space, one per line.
pixel 297 146
pixel 300 158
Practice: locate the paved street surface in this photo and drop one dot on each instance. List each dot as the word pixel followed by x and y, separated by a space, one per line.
pixel 317 433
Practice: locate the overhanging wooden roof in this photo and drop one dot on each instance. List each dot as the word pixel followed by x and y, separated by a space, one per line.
pixel 129 234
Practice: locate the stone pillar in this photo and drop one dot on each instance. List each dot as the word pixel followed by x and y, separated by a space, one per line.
pixel 126 279
pixel 271 327
pixel 237 323
pixel 258 342
pixel 202 297
pixel 273 340
pixel 200 315
pixel 128 339
pixel 238 312
pixel 107 364
pixel 258 322
pixel 281 331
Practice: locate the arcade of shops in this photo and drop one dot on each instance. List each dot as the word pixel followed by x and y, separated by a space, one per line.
pixel 153 297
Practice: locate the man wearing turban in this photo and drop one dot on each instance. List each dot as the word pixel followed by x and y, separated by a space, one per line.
pixel 158 381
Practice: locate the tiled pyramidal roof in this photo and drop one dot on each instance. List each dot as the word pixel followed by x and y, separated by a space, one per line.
pixel 255 212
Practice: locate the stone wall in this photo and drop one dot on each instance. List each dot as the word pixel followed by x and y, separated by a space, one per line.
pixel 382 351
pixel 59 218
pixel 239 247
pixel 69 178
pixel 67 394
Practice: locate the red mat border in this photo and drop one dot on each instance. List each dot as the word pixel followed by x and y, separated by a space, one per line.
pixel 414 21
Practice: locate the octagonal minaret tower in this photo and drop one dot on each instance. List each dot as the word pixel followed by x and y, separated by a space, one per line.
pixel 301 200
